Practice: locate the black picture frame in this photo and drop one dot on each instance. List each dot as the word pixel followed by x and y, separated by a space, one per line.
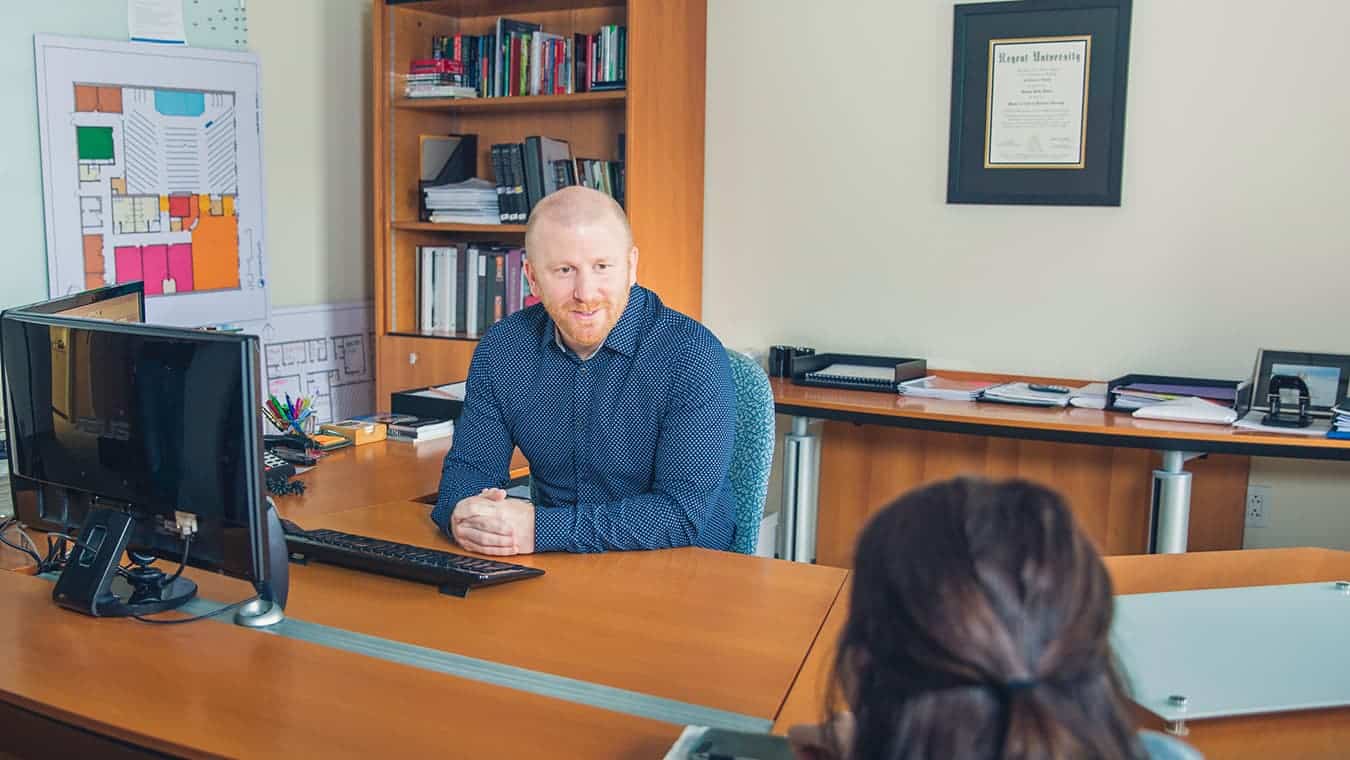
pixel 1095 179
pixel 1267 360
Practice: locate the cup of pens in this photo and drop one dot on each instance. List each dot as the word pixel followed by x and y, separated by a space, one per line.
pixel 291 416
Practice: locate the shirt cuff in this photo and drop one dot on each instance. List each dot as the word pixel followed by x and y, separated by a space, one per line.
pixel 552 526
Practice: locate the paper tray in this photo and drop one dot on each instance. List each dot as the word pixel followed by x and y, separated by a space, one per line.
pixel 1241 388
pixel 905 369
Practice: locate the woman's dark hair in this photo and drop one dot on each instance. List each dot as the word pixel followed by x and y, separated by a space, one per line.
pixel 979 628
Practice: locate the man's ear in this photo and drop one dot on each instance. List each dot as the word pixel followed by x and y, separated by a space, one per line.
pixel 529 276
pixel 632 267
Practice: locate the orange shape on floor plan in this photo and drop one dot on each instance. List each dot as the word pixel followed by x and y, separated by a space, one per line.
pixel 215 253
pixel 110 99
pixel 93 261
pixel 86 98
pixel 90 97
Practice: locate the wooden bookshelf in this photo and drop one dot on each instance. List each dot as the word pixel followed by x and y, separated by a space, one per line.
pixel 660 115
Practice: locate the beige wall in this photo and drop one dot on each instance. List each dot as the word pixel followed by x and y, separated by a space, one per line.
pixel 826 223
pixel 316 88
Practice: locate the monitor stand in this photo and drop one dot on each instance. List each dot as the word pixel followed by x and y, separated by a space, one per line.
pixel 269 607
pixel 91 583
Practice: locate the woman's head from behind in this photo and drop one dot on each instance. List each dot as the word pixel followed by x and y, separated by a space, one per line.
pixel 979 628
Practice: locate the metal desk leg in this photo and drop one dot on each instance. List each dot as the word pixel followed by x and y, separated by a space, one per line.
pixel 1170 510
pixel 801 474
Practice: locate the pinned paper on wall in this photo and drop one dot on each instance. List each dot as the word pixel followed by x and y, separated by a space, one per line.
pixel 156 21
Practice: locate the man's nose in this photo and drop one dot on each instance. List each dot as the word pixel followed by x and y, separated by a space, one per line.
pixel 586 287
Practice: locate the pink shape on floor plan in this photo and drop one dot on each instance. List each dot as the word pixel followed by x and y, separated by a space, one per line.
pixel 128 263
pixel 180 266
pixel 155 263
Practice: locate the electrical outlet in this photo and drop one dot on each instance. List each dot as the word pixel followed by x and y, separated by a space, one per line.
pixel 1258 506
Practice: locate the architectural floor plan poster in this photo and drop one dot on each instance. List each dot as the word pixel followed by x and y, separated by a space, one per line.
pixel 325 352
pixel 151 170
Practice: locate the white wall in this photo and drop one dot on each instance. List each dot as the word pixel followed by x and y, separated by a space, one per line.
pixel 316 146
pixel 826 222
pixel 24 254
pixel 315 58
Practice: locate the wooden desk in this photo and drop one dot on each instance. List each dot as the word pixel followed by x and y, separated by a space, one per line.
pixel 710 628
pixel 1304 734
pixel 359 476
pixel 877 445
pixel 76 686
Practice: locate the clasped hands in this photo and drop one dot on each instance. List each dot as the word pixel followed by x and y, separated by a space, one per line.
pixel 490 523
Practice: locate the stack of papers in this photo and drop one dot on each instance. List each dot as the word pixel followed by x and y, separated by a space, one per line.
pixel 945 388
pixel 473 201
pixel 1189 409
pixel 421 429
pixel 1340 423
pixel 1021 393
pixel 1090 396
pixel 1252 423
pixel 1139 395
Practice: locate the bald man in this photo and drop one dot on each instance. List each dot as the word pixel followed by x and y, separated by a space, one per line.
pixel 623 407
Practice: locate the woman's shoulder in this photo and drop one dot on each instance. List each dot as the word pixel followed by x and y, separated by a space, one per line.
pixel 1163 747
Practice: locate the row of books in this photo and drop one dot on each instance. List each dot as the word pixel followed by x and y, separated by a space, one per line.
pixel 465 288
pixel 521 59
pixel 1340 420
pixel 527 172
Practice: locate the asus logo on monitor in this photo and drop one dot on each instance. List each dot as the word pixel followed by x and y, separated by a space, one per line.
pixel 117 430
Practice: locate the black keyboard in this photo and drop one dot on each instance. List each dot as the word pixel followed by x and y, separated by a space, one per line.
pixel 455 574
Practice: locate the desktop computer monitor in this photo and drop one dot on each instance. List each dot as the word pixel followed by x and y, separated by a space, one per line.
pixel 116 303
pixel 144 438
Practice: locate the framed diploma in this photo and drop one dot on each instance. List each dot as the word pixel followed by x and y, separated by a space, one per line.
pixel 1038 102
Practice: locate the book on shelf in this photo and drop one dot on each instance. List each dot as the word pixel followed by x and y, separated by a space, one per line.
pixel 540 154
pixel 527 172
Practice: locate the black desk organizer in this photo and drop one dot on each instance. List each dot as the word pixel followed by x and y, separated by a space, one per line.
pixel 432 407
pixel 1242 398
pixel 803 367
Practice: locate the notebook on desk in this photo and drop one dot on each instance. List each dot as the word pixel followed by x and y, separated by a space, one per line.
pixel 856 373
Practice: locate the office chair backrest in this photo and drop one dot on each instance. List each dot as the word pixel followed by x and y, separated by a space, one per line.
pixel 753 451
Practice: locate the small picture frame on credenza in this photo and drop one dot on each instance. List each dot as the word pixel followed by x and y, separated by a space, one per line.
pixel 1326 376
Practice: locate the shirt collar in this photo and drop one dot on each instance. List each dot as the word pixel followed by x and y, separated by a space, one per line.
pixel 624 335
